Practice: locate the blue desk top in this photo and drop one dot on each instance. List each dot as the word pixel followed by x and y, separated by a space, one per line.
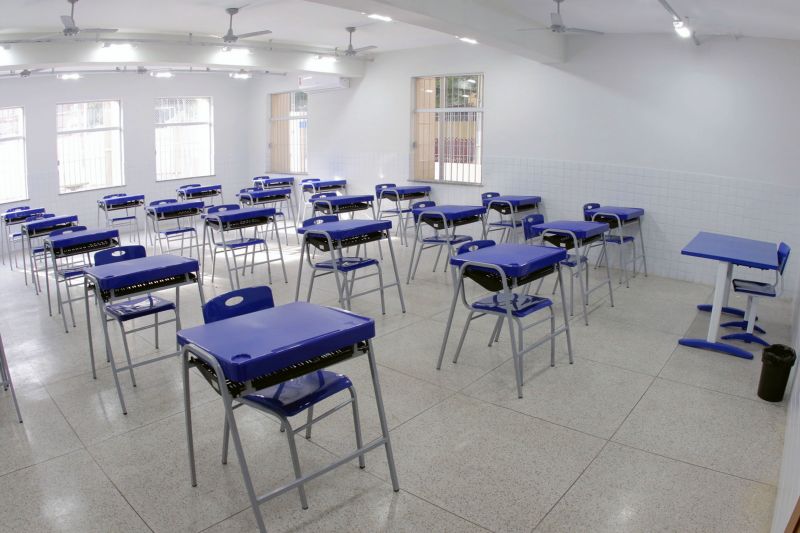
pixel 314 185
pixel 255 344
pixel 624 213
pixel 345 199
pixel 197 190
pixel 266 180
pixel 405 189
pixel 21 214
pixel 177 206
pixel 240 214
pixel 265 193
pixel 450 212
pixel 33 226
pixel 345 229
pixel 110 202
pixel 81 237
pixel 516 260
pixel 515 201
pixel 736 250
pixel 142 270
pixel 582 229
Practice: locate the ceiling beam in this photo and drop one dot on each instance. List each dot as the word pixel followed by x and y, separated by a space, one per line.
pixel 483 20
pixel 91 53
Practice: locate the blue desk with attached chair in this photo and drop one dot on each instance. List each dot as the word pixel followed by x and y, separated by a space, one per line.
pixel 511 209
pixel 330 235
pixel 196 191
pixel 279 198
pixel 312 186
pixel 39 228
pixel 618 218
pixel 168 210
pixel 401 197
pixel 14 217
pixel 504 270
pixel 729 251
pixel 252 359
pixel 121 210
pixel 329 203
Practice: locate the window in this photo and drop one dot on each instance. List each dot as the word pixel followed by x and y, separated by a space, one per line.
pixel 89 139
pixel 12 154
pixel 289 133
pixel 448 123
pixel 184 138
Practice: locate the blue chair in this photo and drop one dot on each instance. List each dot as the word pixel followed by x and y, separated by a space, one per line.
pixel 615 237
pixel 398 212
pixel 506 225
pixel 437 240
pixel 755 290
pixel 126 220
pixel 143 306
pixel 37 254
pixel 289 398
pixel 506 304
pixel 186 235
pixel 242 246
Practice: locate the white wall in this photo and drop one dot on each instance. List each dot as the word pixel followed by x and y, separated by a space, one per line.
pixel 39 97
pixel 702 137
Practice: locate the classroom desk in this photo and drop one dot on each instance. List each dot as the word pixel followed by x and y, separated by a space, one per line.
pixel 510 206
pixel 119 203
pixel 727 251
pixel 338 205
pixel 265 182
pixel 443 218
pixel 70 245
pixel 309 188
pixel 256 350
pixel 398 195
pixel 276 197
pixel 620 217
pixel 240 220
pixel 14 218
pixel 126 279
pixel 37 229
pixel 334 237
pixel 174 211
pixel 577 234
pixel 186 194
pixel 520 264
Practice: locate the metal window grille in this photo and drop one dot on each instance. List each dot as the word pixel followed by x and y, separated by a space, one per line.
pixel 289 132
pixel 13 171
pixel 184 138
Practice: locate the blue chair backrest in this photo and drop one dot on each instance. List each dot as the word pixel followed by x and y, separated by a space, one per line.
pixel 71 229
pixel 528 222
pixel 117 195
pixel 379 187
pixel 474 245
pixel 487 195
pixel 783 256
pixel 320 220
pixel 224 207
pixel 309 180
pixel 189 186
pixel 261 178
pixel 40 216
pixel 323 195
pixel 118 254
pixel 249 189
pixel 18 208
pixel 164 201
pixel 587 207
pixel 238 302
pixel 424 203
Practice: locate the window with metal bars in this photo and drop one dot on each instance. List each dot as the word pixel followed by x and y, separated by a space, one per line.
pixel 288 146
pixel 184 138
pixel 89 144
pixel 13 172
pixel 448 128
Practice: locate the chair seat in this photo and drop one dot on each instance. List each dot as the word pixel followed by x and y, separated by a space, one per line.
pixel 69 274
pixel 294 396
pixel 754 287
pixel 240 243
pixel 139 307
pixel 178 231
pixel 521 304
pixel 123 219
pixel 347 264
pixel 455 239
pixel 616 239
pixel 571 262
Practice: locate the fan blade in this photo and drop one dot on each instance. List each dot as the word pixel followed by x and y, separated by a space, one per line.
pixel 555 19
pixel 364 48
pixel 254 34
pixel 99 30
pixel 68 22
pixel 583 30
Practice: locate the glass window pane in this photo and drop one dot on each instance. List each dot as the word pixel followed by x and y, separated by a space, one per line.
pixel 11 122
pixel 289 132
pixel 184 138
pixel 87 115
pixel 12 171
pixel 182 110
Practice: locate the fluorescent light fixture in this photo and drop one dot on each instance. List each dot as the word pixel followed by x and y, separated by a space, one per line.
pixel 69 76
pixel 327 59
pixel 162 74
pixel 240 75
pixel 382 18
pixel 236 51
pixel 468 40
pixel 118 46
pixel 682 29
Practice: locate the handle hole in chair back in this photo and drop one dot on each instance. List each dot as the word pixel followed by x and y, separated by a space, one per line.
pixel 118 254
pixel 320 220
pixel 164 201
pixel 238 302
pixel 527 225
pixel 71 229
pixel 221 208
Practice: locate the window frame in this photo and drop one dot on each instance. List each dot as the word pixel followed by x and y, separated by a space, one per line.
pixel 211 130
pixel 414 110
pixel 121 129
pixel 23 138
pixel 306 117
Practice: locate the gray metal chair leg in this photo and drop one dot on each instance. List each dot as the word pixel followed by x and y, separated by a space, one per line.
pixel 309 419
pixel 295 463
pixel 357 424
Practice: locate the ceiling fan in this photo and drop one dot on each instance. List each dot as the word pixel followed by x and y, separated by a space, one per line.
pixel 230 37
pixel 350 51
pixel 71 29
pixel 557 24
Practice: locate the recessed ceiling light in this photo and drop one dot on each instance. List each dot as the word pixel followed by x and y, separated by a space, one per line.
pixel 682 29
pixel 327 59
pixel 468 40
pixel 162 74
pixel 237 50
pixel 69 76
pixel 376 16
pixel 240 75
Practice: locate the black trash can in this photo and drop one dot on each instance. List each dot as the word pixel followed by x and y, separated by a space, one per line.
pixel 777 361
